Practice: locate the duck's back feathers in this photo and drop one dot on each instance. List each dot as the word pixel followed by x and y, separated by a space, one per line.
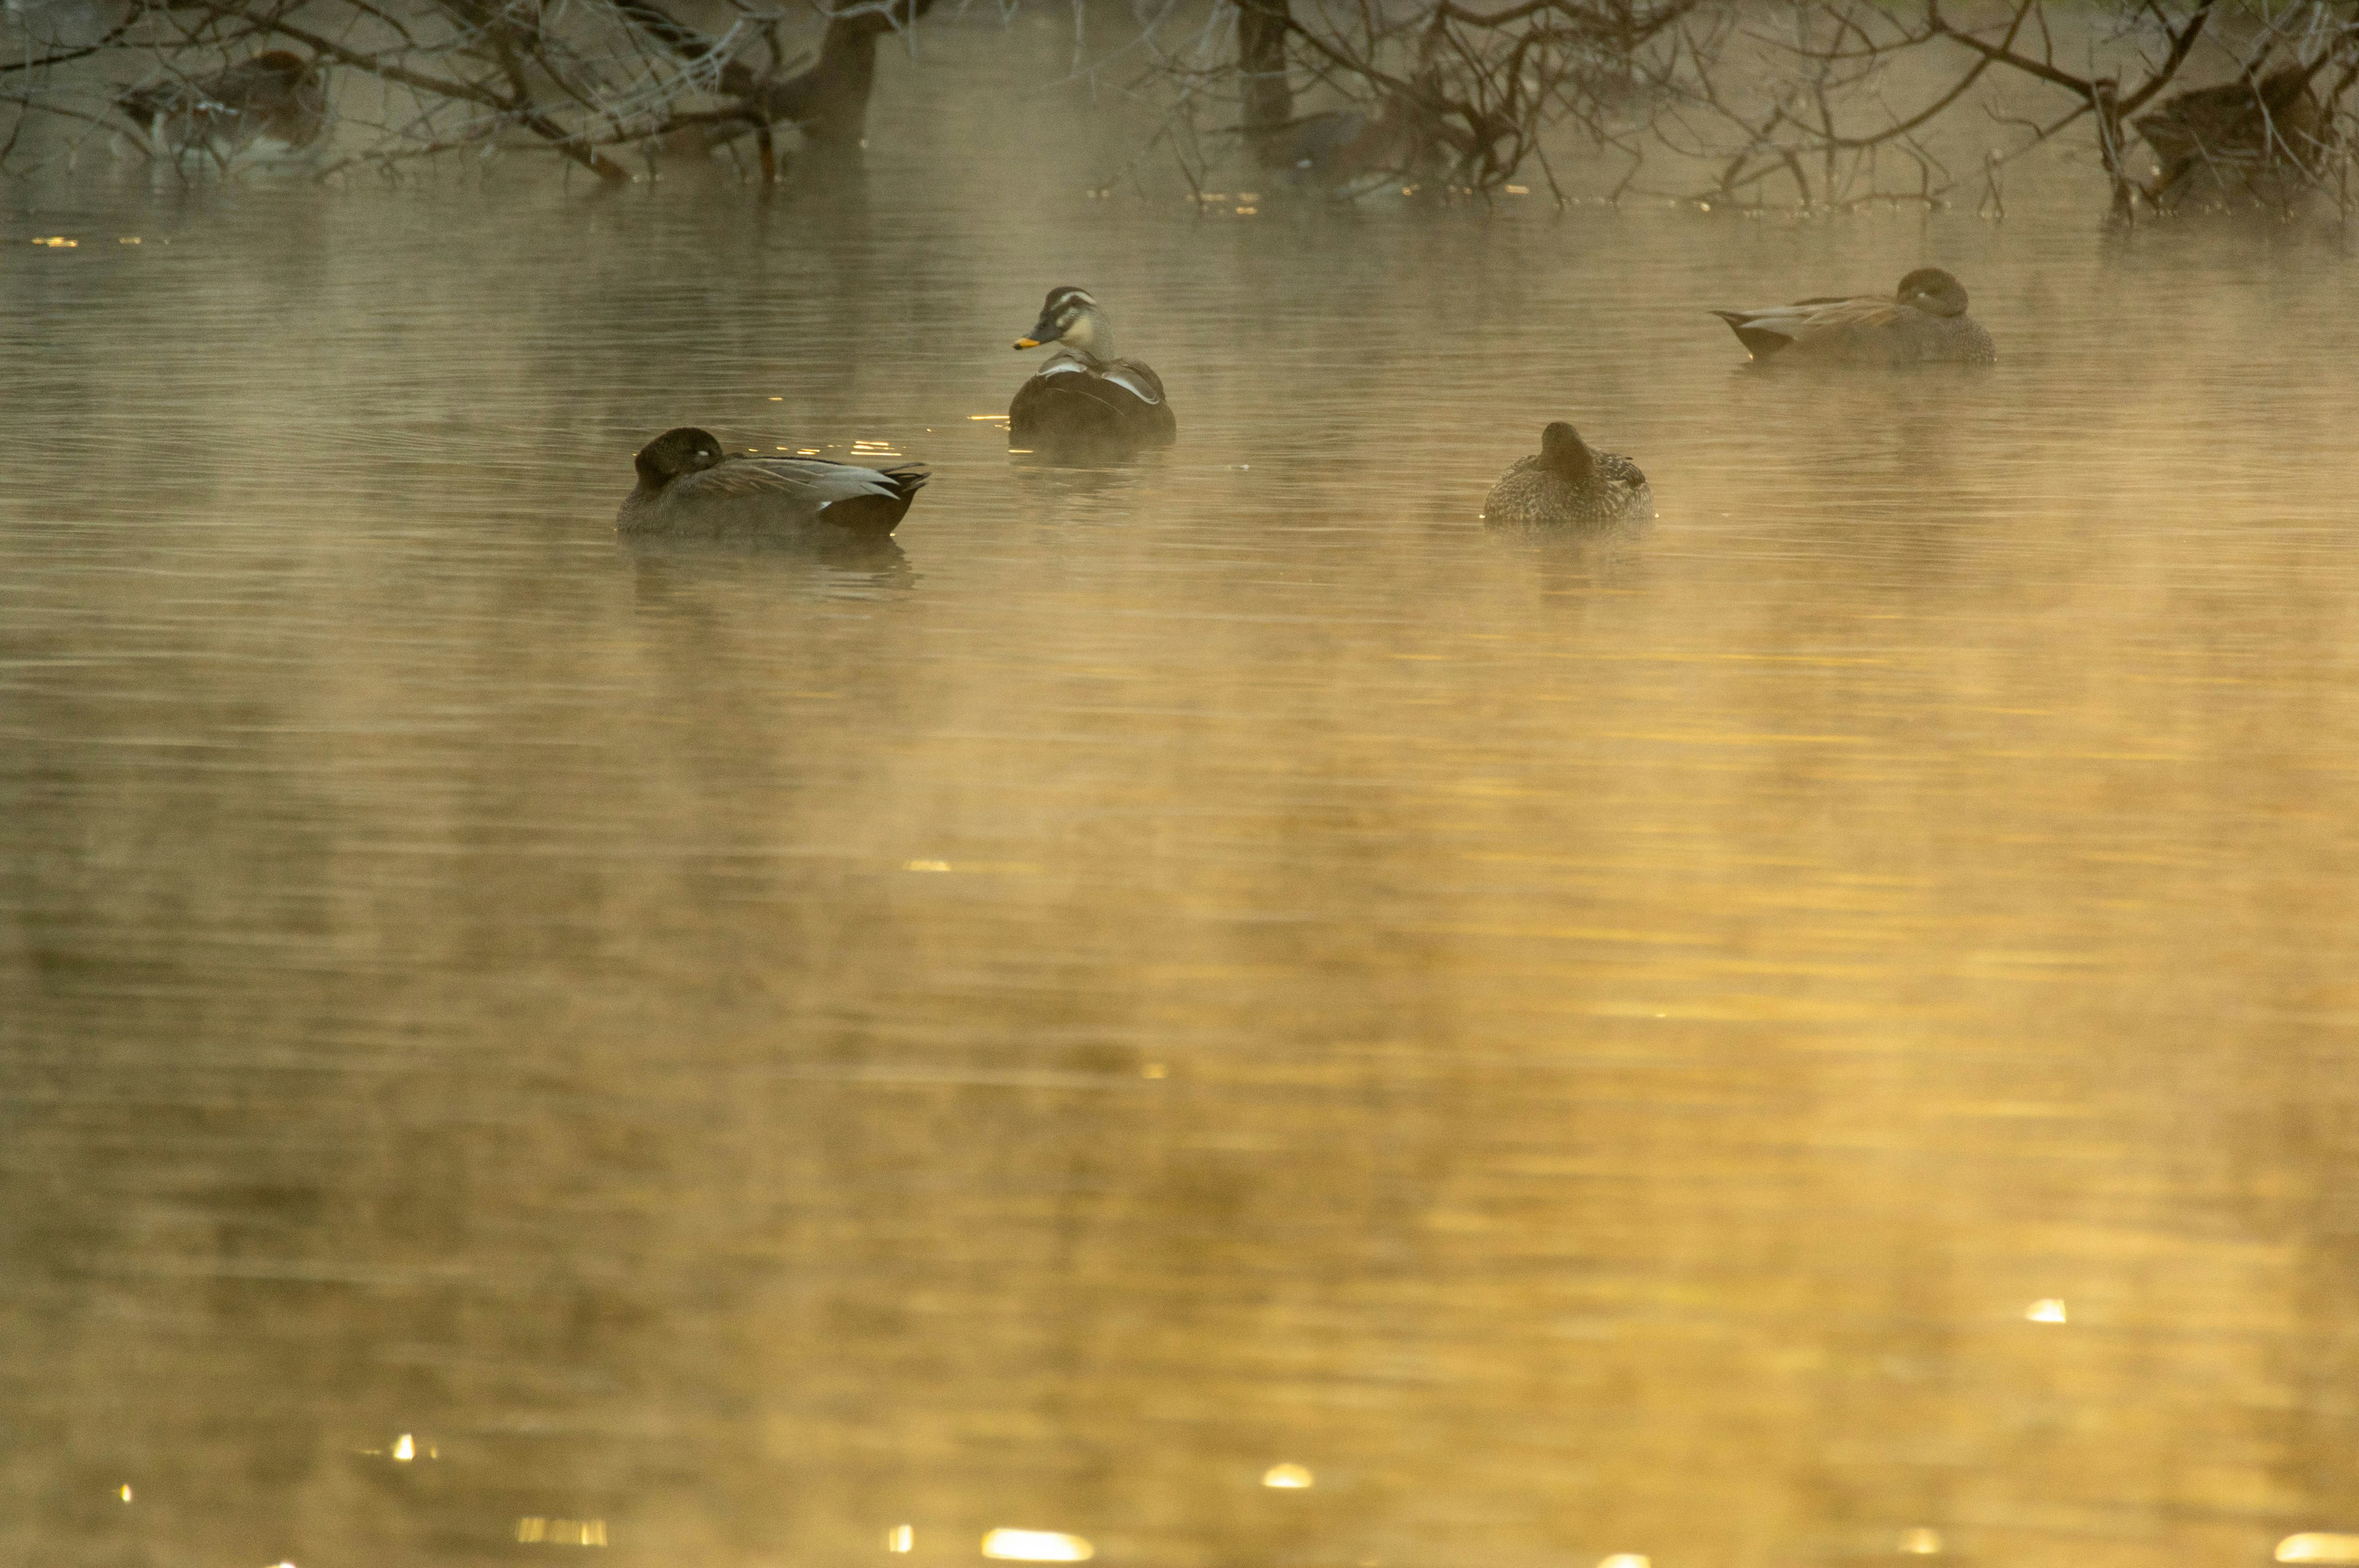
pixel 1076 402
pixel 1829 323
pixel 1537 493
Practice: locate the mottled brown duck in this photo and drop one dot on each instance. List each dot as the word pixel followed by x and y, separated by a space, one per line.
pixel 2257 140
pixel 1569 484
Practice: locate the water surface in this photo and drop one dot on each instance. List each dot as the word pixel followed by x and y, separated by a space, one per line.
pixel 1179 969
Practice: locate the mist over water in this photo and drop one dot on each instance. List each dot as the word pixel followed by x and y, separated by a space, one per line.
pixel 1177 969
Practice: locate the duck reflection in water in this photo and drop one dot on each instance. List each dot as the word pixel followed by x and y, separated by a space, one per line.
pixel 673 574
pixel 1085 404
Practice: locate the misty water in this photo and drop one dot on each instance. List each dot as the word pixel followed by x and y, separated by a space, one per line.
pixel 1820 1032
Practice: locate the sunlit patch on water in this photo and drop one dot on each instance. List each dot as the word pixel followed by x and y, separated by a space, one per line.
pixel 1036 1546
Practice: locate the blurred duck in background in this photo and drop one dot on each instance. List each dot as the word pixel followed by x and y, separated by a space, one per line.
pixel 1569 484
pixel 688 488
pixel 2260 139
pixel 1084 403
pixel 1351 152
pixel 1924 319
pixel 273 105
pixel 828 101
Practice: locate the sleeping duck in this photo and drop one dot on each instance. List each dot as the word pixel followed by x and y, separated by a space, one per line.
pixel 275 101
pixel 1569 484
pixel 1084 401
pixel 1924 319
pixel 687 486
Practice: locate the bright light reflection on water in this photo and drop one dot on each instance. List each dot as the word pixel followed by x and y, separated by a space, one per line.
pixel 1036 1546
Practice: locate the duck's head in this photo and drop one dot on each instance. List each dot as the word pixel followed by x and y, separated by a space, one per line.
pixel 1934 291
pixel 1563 451
pixel 1069 315
pixel 674 453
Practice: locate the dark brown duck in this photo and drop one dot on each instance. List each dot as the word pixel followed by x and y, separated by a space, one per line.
pixel 1084 402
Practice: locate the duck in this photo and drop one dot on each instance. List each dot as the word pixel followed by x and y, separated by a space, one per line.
pixel 1569 484
pixel 276 97
pixel 688 486
pixel 828 101
pixel 1084 401
pixel 1924 319
pixel 2227 140
pixel 1349 153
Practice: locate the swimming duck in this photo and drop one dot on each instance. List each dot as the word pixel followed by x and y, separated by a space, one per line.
pixel 1569 484
pixel 1925 318
pixel 688 485
pixel 276 97
pixel 1083 400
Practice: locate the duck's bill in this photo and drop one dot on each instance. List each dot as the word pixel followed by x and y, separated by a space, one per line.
pixel 1031 339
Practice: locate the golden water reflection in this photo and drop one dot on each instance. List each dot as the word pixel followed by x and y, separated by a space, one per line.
pixel 1609 1057
pixel 1036 1546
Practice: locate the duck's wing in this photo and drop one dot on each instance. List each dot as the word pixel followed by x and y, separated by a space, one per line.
pixel 1153 411
pixel 1854 315
pixel 1766 330
pixel 1120 385
pixel 1134 377
pixel 1110 399
pixel 862 500
pixel 1619 469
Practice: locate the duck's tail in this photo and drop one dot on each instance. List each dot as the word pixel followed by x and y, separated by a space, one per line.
pixel 868 503
pixel 907 480
pixel 1759 339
